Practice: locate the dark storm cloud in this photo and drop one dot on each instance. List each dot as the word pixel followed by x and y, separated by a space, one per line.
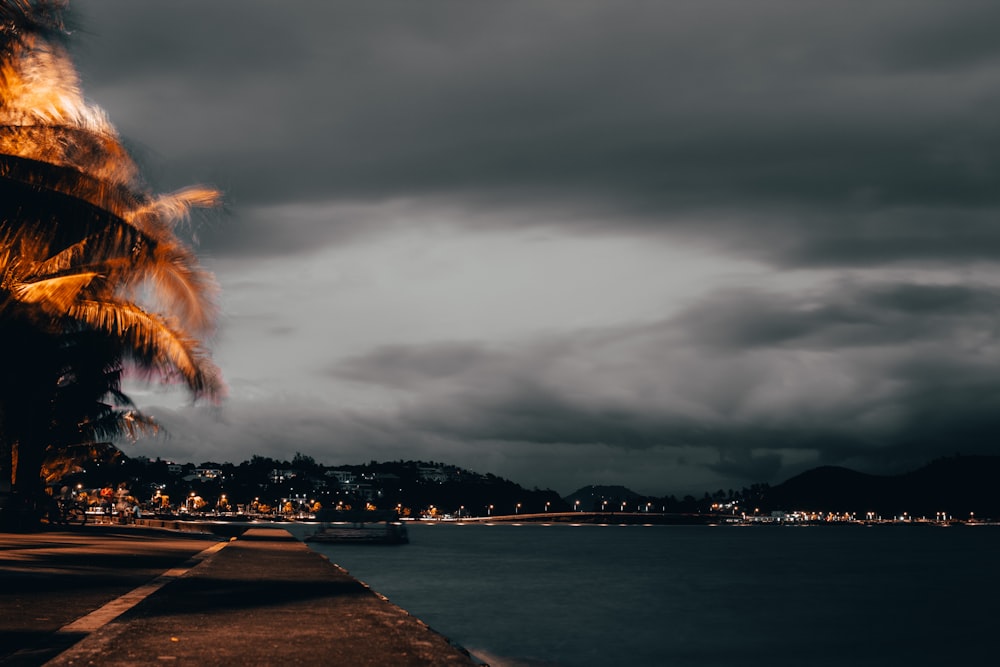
pixel 858 144
pixel 875 375
pixel 797 133
pixel 849 315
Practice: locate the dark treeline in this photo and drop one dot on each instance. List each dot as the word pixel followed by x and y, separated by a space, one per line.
pixel 409 486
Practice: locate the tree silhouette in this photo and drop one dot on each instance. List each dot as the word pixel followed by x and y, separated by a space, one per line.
pixel 93 277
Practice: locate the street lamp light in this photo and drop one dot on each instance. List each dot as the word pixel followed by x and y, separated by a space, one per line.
pixel 576 506
pixel 547 503
pixel 489 510
pixel 517 508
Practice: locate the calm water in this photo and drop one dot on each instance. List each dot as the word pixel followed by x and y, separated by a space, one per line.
pixel 697 595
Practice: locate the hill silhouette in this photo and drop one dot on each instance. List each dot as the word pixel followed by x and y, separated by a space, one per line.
pixel 595 498
pixel 959 485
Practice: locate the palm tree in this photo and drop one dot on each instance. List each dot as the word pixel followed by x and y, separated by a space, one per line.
pixel 68 330
pixel 93 277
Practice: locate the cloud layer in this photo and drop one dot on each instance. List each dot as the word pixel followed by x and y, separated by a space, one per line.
pixel 453 226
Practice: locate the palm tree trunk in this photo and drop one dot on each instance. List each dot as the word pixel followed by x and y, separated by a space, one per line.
pixel 6 469
pixel 6 476
pixel 28 468
pixel 20 487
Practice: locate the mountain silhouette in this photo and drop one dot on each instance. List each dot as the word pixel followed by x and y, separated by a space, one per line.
pixel 959 486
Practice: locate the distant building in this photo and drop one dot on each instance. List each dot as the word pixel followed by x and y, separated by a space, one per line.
pixel 429 474
pixel 203 475
pixel 361 490
pixel 342 476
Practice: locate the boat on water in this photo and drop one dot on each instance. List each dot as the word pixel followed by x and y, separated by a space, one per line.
pixel 366 527
pixel 388 533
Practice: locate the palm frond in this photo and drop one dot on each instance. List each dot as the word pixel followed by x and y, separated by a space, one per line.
pixel 154 342
pixel 115 246
pixel 122 423
pixel 63 460
pixel 55 295
pixel 20 18
pixel 184 288
pixel 91 147
pixel 54 193
pixel 175 207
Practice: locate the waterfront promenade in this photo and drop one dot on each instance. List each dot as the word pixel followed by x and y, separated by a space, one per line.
pixel 123 595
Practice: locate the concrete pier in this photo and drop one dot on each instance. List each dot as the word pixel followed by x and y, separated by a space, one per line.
pixel 127 595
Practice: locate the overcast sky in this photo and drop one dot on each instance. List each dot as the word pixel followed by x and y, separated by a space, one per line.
pixel 672 245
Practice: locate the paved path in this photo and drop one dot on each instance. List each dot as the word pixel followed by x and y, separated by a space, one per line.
pixel 261 599
pixel 49 579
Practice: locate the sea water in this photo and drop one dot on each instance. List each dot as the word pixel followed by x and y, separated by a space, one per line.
pixel 588 596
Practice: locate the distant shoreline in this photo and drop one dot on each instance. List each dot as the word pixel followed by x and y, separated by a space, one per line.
pixel 660 519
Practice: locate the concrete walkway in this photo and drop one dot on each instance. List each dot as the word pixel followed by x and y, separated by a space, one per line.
pixel 261 599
